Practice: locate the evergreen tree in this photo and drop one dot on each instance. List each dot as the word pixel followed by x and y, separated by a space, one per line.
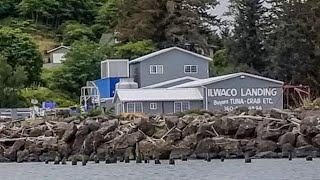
pixel 246 45
pixel 167 22
pixel 293 42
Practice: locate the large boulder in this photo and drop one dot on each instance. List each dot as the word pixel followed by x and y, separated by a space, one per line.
pixel 309 125
pixel 205 130
pixel 88 146
pixel 174 135
pixel 191 128
pixel 305 151
pixel 188 142
pixel 177 153
pixel 37 131
pixel 11 153
pixel 267 154
pixel 108 126
pixel 302 141
pixel 286 149
pixel 246 129
pixel 263 130
pixel 266 145
pixel 59 129
pixel 93 125
pixel 159 147
pixel 22 156
pixel 226 126
pixel 288 137
pixel 80 136
pixel 171 121
pixel 145 125
pixel 316 141
pixel 127 140
pixel 70 133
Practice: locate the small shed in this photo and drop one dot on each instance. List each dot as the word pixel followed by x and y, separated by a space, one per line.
pixel 157 101
pixel 57 55
pixel 232 91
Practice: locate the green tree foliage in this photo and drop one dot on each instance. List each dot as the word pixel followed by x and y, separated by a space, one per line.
pixel 134 50
pixel 74 31
pixel 56 12
pixel 247 42
pixel 166 22
pixel 81 65
pixel 19 50
pixel 8 8
pixel 294 42
pixel 220 64
pixel 106 19
pixel 11 82
pixel 43 94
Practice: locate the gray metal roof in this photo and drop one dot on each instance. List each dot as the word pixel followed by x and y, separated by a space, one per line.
pixel 167 50
pixel 170 82
pixel 203 82
pixel 57 48
pixel 188 94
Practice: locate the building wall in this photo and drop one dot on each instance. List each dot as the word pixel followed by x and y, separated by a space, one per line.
pixel 173 67
pixel 237 92
pixel 59 51
pixel 135 72
pixel 162 107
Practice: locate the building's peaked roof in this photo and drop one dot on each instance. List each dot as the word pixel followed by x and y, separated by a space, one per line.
pixel 57 48
pixel 170 82
pixel 167 50
pixel 203 82
pixel 130 95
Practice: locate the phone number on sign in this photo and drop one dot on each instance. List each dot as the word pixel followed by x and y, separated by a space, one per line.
pixel 231 108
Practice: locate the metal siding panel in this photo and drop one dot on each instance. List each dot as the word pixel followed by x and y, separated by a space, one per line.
pixel 173 67
pixel 118 68
pixel 113 82
pixel 238 84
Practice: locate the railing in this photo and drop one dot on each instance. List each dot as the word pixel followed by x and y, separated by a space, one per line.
pixel 14 114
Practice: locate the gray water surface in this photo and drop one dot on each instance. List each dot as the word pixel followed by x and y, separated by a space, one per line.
pixel 278 169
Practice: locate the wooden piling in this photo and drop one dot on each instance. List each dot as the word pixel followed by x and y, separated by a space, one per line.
pixel 56 160
pixel 74 161
pixel 184 158
pixel 222 159
pixel 290 156
pixel 171 161
pixel 157 160
pixel 96 159
pixel 84 160
pixel 127 159
pixel 64 161
pixel 208 158
pixel 138 155
pixel 309 158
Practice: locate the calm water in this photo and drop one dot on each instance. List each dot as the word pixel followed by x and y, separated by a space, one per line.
pixel 197 170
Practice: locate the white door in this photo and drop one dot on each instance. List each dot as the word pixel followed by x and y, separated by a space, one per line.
pixel 58 58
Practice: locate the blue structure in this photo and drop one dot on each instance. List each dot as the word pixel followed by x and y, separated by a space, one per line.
pixel 48 105
pixel 107 86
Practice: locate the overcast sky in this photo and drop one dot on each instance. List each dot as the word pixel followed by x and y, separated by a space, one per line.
pixel 223 7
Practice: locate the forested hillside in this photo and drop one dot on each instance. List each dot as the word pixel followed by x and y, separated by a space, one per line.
pixel 274 38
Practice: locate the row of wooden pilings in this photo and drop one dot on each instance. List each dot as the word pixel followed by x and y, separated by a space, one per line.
pixel 126 159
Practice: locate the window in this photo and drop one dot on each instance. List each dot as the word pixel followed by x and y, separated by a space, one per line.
pixel 190 69
pixel 130 107
pixel 181 106
pixel 153 106
pixel 134 108
pixel 156 69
